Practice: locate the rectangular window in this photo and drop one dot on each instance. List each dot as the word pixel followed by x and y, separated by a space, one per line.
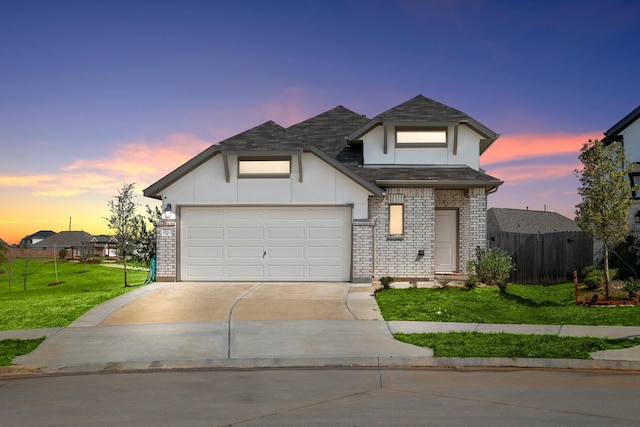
pixel 396 220
pixel 421 136
pixel 634 179
pixel 264 168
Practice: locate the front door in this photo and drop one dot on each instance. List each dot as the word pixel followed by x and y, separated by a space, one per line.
pixel 446 255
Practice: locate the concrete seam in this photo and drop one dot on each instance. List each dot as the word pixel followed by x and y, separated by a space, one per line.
pixel 256 286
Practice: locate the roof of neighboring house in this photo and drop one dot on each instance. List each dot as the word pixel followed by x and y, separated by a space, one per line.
pixel 528 221
pixel 64 239
pixel 3 243
pixel 614 132
pixel 42 234
pixel 103 238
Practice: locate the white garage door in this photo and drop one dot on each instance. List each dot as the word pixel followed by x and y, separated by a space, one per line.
pixel 265 243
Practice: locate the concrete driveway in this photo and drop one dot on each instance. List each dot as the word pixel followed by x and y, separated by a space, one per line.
pixel 200 325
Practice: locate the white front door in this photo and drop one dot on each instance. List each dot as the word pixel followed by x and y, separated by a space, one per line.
pixel 446 254
pixel 311 243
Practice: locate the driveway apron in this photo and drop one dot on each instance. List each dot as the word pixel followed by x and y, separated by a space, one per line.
pixel 197 324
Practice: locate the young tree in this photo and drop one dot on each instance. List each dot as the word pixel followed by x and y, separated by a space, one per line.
pixel 124 221
pixel 605 193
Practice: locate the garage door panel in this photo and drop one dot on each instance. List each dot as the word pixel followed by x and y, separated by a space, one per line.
pixel 203 233
pixel 206 252
pixel 285 252
pixel 265 243
pixel 285 233
pixel 326 233
pixel 245 252
pixel 285 272
pixel 245 233
pixel 204 271
pixel 255 272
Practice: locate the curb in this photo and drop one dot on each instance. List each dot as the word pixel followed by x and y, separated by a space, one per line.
pixel 323 362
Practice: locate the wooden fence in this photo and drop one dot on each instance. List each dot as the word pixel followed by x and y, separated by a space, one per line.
pixel 545 258
pixel 32 253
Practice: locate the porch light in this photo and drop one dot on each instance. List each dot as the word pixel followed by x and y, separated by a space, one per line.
pixel 167 210
pixel 637 217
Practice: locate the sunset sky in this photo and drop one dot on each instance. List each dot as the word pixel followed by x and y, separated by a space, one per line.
pixel 94 94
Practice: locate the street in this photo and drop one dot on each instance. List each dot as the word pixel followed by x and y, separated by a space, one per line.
pixel 332 397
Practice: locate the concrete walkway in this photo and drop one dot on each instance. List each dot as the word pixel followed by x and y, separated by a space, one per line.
pixel 247 325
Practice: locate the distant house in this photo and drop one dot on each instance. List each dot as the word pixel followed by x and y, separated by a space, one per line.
pixel 627 132
pixel 3 244
pixel 77 243
pixel 34 238
pixel 104 246
pixel 545 246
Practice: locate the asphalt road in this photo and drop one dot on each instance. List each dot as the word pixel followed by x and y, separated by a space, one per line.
pixel 331 397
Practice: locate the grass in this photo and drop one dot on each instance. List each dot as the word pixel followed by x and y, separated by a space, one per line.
pixel 527 304
pixel 474 344
pixel 45 305
pixel 13 348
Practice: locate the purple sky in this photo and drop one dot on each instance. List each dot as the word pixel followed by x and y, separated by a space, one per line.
pixel 97 93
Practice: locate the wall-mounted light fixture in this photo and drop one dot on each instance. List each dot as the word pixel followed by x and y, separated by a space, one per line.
pixel 637 217
pixel 167 210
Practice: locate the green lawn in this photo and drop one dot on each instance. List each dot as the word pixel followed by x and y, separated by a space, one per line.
pixel 528 304
pixel 47 305
pixel 12 348
pixel 474 344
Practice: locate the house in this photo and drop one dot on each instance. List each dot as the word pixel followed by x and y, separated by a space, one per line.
pixel 104 246
pixel 627 132
pixel 34 238
pixel 77 243
pixel 545 246
pixel 337 197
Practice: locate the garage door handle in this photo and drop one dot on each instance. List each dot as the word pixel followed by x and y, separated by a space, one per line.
pixel 264 254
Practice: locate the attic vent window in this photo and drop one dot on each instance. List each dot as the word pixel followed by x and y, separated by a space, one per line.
pixel 420 136
pixel 264 167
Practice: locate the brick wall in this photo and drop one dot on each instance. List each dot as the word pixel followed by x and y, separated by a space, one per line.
pixel 398 256
pixel 166 251
pixel 362 250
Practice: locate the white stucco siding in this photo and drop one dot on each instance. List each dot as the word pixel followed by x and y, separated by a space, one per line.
pixel 632 141
pixel 467 152
pixel 322 185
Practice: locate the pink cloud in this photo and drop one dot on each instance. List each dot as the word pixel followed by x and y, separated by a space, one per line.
pixel 527 146
pixel 141 161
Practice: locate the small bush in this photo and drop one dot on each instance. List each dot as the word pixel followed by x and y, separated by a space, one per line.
pixel 386 281
pixel 593 277
pixel 632 285
pixel 472 277
pixel 493 267
pixel 62 254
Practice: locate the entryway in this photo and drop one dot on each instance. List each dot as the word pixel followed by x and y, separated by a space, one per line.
pixel 446 241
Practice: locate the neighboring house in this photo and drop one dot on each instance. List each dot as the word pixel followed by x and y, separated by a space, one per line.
pixel 545 246
pixel 627 131
pixel 337 197
pixel 105 246
pixel 77 243
pixel 34 238
pixel 3 244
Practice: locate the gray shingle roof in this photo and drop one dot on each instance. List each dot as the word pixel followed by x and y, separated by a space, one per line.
pixel 527 221
pixel 328 131
pixel 65 239
pixel 332 133
pixel 265 137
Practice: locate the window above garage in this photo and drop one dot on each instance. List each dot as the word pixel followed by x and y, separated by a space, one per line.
pixel 421 137
pixel 264 167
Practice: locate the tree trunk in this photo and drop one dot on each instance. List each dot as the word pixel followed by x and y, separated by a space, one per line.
pixel 607 282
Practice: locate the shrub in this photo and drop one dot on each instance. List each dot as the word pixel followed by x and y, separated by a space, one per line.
pixel 493 267
pixel 62 254
pixel 593 277
pixel 472 277
pixel 632 285
pixel 386 281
